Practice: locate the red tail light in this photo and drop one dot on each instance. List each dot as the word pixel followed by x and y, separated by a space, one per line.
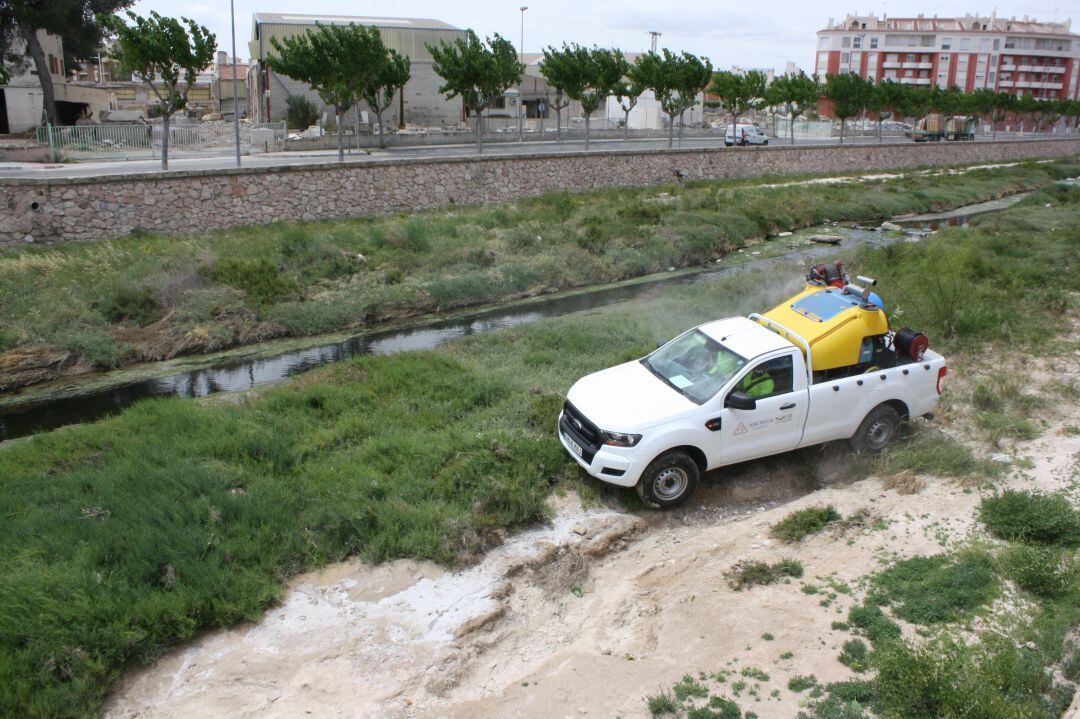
pixel 941 373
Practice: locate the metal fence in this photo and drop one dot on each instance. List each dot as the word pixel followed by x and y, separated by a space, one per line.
pixel 83 142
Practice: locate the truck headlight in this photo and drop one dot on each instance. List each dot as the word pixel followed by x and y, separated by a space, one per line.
pixel 618 439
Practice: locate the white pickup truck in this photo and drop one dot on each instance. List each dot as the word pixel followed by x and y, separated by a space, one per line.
pixel 698 402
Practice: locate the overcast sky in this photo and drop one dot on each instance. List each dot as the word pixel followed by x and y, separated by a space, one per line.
pixel 745 34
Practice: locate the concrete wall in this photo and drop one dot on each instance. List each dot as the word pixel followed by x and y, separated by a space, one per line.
pixel 83 209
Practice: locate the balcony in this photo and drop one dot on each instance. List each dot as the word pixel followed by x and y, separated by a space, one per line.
pixel 1008 67
pixel 890 65
pixel 914 81
pixel 1042 68
pixel 1040 85
pixel 918 65
pixel 1005 83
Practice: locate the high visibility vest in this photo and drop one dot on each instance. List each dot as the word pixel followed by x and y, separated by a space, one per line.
pixel 758 384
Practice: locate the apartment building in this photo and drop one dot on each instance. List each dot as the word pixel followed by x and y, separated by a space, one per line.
pixel 1022 57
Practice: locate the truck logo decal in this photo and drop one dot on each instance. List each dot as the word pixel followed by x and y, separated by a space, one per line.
pixel 741 429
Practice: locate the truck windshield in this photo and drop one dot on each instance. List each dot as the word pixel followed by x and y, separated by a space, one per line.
pixel 694 365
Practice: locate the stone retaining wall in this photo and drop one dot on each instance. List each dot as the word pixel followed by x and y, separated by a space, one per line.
pixel 84 209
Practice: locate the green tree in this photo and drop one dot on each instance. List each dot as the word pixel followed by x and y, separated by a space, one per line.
pixel 80 24
pixel 629 90
pixel 892 95
pixel 739 94
pixel 675 81
pixel 478 72
pixel 797 94
pixel 333 60
pixel 1004 104
pixel 167 56
pixel 848 94
pixel 385 73
pixel 587 76
pixel 560 71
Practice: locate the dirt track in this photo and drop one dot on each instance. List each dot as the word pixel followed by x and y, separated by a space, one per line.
pixel 584 617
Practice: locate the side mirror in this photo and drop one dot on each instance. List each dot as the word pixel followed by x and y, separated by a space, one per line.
pixel 740 400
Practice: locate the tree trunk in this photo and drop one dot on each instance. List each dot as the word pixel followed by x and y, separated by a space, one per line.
pixel 340 114
pixel 626 124
pixel 792 115
pixel 558 124
pixel 479 132
pixel 671 130
pixel 681 123
pixel 841 131
pixel 48 100
pixel 378 117
pixel 879 140
pixel 165 140
pixel 586 131
pixel 734 129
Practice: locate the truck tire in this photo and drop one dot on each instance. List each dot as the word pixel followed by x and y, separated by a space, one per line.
pixel 668 480
pixel 877 430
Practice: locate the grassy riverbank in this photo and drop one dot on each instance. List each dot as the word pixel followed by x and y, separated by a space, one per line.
pixel 147 297
pixel 122 538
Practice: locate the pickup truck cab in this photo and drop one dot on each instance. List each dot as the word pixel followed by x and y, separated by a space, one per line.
pixel 699 401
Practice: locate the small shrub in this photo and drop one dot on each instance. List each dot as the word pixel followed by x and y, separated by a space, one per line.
pixel 877 627
pixel 687 687
pixel 258 278
pixel 748 572
pixel 1031 517
pixel 593 235
pixel 295 243
pixel 661 704
pixel 854 654
pixel 136 305
pixel 801 683
pixel 300 112
pixel 834 708
pixel 797 525
pixel 754 673
pixel 723 708
pixel 853 691
pixel 938 456
pixel 840 626
pixel 767 637
pixel 1044 571
pixel 787 655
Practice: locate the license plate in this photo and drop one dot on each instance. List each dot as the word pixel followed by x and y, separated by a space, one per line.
pixel 574 447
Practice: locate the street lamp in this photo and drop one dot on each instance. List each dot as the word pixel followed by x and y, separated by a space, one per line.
pixel 235 94
pixel 521 59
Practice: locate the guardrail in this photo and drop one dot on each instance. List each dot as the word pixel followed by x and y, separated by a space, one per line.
pixel 83 142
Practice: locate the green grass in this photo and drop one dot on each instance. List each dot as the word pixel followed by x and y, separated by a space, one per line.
pixel 939 588
pixel 1031 517
pixel 750 573
pixel 799 524
pixel 220 289
pixel 122 538
pixel 1043 571
pixel 854 654
pixel 661 704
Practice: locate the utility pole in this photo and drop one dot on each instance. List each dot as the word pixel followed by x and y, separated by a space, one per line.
pixel 652 42
pixel 521 83
pixel 235 84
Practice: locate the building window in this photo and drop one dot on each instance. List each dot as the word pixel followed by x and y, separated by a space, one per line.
pixel 873 42
pixel 997 43
pixel 857 42
pixel 844 57
pixel 984 44
pixel 846 42
pixel 946 43
pixel 909 58
pixel 823 43
pixel 965 43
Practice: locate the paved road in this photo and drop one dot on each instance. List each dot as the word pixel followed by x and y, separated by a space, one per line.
pixel 278 159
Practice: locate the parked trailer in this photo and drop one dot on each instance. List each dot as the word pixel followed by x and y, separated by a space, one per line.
pixel 934 128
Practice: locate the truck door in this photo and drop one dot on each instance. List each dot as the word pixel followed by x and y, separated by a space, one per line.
pixel 776 422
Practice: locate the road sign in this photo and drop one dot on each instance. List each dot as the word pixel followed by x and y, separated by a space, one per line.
pixel 541 107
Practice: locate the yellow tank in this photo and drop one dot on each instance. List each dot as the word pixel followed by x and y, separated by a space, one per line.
pixel 833 323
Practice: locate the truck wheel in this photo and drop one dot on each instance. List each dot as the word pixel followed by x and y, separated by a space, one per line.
pixel 668 480
pixel 876 431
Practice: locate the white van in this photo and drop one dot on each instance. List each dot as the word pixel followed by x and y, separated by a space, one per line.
pixel 752 135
